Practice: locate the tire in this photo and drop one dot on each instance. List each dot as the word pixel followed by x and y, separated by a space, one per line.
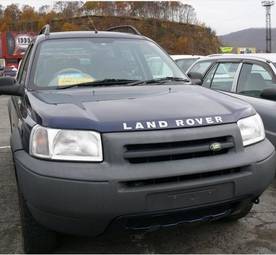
pixel 240 212
pixel 36 238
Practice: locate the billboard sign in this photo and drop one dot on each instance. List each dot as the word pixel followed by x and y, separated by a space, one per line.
pixel 246 50
pixel 226 49
pixel 17 43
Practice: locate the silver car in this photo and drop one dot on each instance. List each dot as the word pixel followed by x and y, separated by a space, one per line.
pixel 250 77
pixel 185 61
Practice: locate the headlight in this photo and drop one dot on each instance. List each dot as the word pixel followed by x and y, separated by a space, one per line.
pixel 252 129
pixel 69 145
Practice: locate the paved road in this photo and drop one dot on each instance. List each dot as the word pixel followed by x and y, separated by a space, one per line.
pixel 253 234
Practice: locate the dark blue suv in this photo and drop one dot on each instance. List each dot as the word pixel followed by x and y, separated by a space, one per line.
pixel 107 132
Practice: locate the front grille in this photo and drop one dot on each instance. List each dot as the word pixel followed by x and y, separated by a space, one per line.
pixel 156 152
pixel 179 179
pixel 171 219
pixel 154 221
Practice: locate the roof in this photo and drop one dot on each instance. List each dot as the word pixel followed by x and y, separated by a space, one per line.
pixel 176 57
pixel 91 34
pixel 271 57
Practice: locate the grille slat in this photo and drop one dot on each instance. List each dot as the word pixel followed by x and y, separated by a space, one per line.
pixel 173 151
pixel 155 152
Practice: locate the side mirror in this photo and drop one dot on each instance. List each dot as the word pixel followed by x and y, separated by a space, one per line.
pixel 197 78
pixel 269 94
pixel 8 86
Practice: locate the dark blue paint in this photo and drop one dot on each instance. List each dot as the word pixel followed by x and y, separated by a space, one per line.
pixel 106 109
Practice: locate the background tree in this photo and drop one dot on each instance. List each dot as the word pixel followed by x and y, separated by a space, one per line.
pixel 59 6
pixel 173 24
pixel 28 18
pixel 44 9
pixel 1 11
pixel 90 8
pixel 71 9
pixel 11 16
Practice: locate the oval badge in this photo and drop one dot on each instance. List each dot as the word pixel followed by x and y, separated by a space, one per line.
pixel 215 147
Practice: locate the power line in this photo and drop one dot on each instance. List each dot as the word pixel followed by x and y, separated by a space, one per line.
pixel 267 5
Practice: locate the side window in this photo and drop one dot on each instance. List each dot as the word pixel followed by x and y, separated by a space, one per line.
pixel 24 65
pixel 208 79
pixel 201 67
pixel 254 78
pixel 223 76
pixel 185 63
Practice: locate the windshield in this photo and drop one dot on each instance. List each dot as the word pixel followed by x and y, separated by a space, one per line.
pixel 64 62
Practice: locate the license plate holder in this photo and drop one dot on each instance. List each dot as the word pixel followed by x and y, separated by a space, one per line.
pixel 191 197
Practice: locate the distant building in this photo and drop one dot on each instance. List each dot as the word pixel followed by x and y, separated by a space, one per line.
pixel 234 50
pixel 246 50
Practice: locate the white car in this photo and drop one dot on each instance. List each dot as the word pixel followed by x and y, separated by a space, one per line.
pixel 185 61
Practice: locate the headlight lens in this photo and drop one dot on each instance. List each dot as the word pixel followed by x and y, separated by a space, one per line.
pixel 252 129
pixel 69 145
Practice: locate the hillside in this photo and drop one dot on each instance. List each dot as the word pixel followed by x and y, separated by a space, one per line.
pixel 173 24
pixel 176 38
pixel 252 37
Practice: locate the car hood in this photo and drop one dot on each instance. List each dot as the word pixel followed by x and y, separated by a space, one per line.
pixel 115 109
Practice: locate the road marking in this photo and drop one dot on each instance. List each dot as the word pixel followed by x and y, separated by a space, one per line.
pixel 4 147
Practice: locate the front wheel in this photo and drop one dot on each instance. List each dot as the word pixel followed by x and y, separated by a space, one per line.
pixel 36 238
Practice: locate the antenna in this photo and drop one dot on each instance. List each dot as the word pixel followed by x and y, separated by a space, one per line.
pixel 267 5
pixel 91 22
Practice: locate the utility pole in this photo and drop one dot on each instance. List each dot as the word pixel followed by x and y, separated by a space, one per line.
pixel 268 5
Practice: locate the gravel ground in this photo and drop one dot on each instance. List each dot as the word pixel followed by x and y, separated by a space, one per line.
pixel 254 234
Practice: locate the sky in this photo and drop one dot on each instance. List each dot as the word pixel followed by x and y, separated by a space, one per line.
pixel 223 16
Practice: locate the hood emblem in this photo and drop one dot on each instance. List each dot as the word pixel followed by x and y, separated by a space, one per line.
pixel 215 147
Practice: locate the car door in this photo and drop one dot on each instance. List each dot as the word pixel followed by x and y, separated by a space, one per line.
pixel 254 77
pixel 17 105
pixel 222 76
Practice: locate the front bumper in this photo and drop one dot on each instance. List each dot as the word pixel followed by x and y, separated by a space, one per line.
pixel 85 198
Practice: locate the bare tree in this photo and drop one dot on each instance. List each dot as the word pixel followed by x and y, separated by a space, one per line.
pixel 44 9
pixel 164 10
pixel 71 9
pixel 1 11
pixel 187 14
pixel 12 12
pixel 59 6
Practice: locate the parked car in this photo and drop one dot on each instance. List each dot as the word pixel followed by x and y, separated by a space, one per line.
pixel 250 77
pixel 185 61
pixel 99 143
pixel 10 71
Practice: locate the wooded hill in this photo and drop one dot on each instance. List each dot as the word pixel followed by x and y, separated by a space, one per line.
pixel 170 23
pixel 176 38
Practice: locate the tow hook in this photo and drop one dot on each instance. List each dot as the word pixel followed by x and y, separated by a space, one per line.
pixel 256 201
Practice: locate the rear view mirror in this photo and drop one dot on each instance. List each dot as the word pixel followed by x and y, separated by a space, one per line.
pixel 8 86
pixel 269 94
pixel 197 78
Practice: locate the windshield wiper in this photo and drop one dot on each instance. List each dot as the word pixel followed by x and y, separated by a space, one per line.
pixel 159 81
pixel 107 82
pixel 99 83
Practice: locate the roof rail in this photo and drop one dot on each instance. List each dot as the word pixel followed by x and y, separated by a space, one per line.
pixel 45 30
pixel 129 27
